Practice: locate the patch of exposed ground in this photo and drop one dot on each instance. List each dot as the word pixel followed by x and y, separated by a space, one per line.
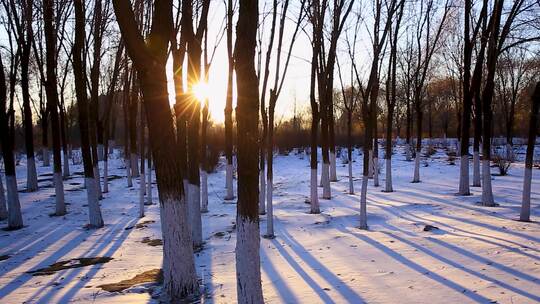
pixel 150 276
pixel 73 263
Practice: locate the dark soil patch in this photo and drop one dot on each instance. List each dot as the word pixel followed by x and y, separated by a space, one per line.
pixel 141 225
pixel 144 224
pixel 73 263
pixel 152 242
pixel 150 276
pixel 4 257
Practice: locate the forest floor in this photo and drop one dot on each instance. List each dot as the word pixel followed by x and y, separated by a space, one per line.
pixel 475 253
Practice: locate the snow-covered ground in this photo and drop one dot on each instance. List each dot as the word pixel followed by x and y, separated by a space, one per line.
pixel 477 254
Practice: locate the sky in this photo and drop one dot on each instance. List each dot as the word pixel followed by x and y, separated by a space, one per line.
pixel 297 81
pixel 296 85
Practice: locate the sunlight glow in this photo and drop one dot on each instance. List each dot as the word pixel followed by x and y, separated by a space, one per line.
pixel 201 91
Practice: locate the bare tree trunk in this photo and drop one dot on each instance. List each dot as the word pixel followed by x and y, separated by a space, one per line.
pixel 533 122
pixel 79 70
pixel 149 197
pixel 125 106
pixel 418 110
pixel 133 110
pixel 487 97
pixel 15 220
pixel 63 131
pixel 142 176
pixel 52 101
pixel 228 106
pixel 248 272
pixel 467 103
pixel 314 196
pixel 31 172
pixel 204 158
pixel 94 125
pixel 149 58
pixel 375 154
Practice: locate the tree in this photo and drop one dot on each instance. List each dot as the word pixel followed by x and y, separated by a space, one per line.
pixel 248 271
pixel 264 112
pixel 468 93
pixel 391 95
pixel 79 71
pixel 109 104
pixel 325 77
pixel 533 124
pixel 15 220
pixel 370 92
pixel 426 44
pixel 149 58
pixel 274 95
pixel 315 118
pixel 21 17
pixel 51 88
pixel 228 106
pixel 513 75
pixel 94 122
pixel 193 110
pixel 349 96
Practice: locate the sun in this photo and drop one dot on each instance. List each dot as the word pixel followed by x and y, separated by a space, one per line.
pixel 200 91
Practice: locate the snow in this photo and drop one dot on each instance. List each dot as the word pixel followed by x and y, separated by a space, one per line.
pixel 477 254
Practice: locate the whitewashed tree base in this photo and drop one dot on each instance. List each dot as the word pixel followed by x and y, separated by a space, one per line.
pixel 94 211
pixel 464 176
pixel 525 214
pixel 325 179
pixel 333 170
pixel 248 268
pixel 179 275
pixel 269 208
pixel 487 192
pixel 388 187
pixel 59 194
pixel 416 178
pixel 363 203
pixel 229 182
pixel 204 191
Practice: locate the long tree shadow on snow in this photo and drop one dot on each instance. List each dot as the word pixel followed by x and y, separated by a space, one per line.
pixel 279 283
pixel 114 238
pixel 413 218
pixel 60 253
pixel 417 267
pixel 462 267
pixel 331 278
